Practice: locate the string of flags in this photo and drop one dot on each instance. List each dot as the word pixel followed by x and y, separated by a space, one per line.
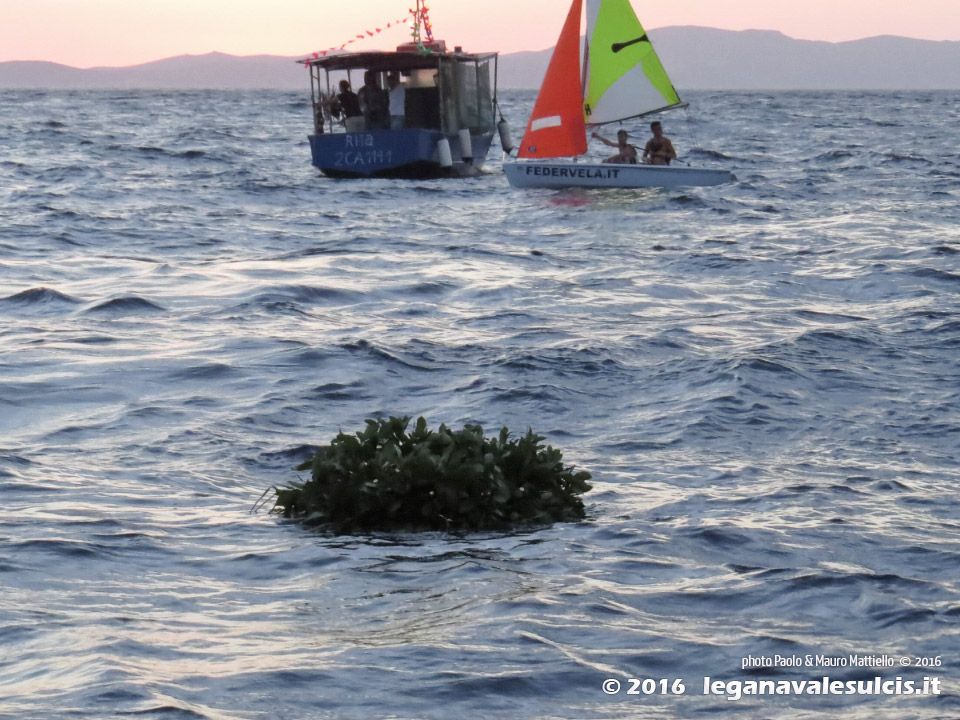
pixel 356 38
pixel 420 16
pixel 420 26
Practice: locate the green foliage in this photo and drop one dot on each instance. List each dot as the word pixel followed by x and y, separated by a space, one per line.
pixel 386 478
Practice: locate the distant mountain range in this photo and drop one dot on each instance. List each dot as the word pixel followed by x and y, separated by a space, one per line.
pixel 214 70
pixel 697 58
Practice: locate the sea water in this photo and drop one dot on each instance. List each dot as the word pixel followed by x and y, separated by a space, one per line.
pixel 762 378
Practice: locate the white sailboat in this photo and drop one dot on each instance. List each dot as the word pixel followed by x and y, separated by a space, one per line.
pixel 621 78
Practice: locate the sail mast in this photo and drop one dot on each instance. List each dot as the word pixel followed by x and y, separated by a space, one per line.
pixel 556 127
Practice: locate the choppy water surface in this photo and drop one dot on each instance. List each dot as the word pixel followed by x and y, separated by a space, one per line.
pixel 762 378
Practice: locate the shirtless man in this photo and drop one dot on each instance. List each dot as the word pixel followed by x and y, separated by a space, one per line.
pixel 659 149
pixel 627 152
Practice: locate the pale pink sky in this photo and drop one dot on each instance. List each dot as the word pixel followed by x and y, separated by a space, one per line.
pixel 85 33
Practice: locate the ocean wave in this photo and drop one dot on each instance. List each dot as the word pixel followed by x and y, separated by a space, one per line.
pixel 43 297
pixel 125 305
pixel 207 371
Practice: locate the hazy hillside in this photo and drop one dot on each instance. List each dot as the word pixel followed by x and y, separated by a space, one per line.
pixel 710 59
pixel 214 70
pixel 754 59
pixel 695 57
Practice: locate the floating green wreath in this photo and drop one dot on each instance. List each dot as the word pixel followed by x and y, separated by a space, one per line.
pixel 384 478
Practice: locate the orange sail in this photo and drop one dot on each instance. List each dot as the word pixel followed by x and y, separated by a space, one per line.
pixel 556 127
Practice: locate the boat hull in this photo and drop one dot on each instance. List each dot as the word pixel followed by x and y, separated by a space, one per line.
pixel 406 153
pixel 609 175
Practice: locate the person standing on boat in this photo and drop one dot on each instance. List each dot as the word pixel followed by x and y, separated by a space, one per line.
pixel 659 149
pixel 348 105
pixel 374 102
pixel 397 101
pixel 627 152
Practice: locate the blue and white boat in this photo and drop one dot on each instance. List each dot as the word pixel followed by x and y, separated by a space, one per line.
pixel 448 114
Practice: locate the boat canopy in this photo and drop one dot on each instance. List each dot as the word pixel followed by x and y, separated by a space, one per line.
pixel 445 91
pixel 387 61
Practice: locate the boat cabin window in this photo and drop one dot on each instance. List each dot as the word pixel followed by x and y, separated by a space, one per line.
pixel 466 96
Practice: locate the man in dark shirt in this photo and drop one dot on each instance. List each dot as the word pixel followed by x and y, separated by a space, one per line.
pixel 348 105
pixel 374 102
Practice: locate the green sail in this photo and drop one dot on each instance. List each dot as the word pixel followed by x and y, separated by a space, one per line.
pixel 623 75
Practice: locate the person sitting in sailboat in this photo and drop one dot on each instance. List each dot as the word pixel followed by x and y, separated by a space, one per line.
pixel 627 152
pixel 659 149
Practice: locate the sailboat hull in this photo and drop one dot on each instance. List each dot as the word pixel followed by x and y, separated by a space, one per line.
pixel 609 175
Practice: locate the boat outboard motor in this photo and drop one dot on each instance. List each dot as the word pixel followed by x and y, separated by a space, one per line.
pixel 506 142
pixel 466 146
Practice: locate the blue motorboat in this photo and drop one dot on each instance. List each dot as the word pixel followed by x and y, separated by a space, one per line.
pixel 442 125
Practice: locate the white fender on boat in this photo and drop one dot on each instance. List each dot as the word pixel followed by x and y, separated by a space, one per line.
pixel 443 150
pixel 466 147
pixel 506 142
